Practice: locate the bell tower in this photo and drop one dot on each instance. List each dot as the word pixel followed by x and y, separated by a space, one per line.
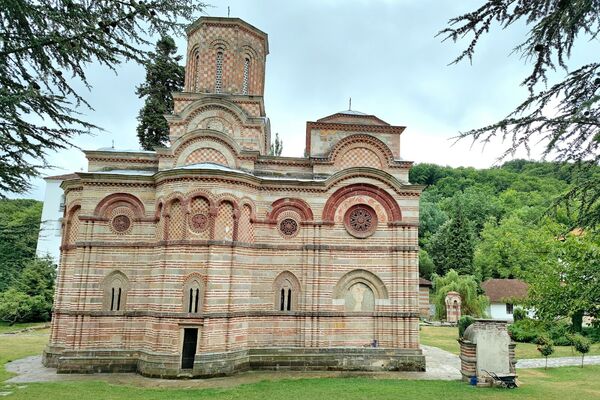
pixel 225 56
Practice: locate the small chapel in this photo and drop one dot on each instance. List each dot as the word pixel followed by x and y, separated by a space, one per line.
pixel 210 256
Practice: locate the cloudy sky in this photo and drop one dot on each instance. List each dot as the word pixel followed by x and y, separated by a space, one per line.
pixel 382 53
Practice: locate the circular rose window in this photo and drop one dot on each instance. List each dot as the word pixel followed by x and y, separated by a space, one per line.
pixel 288 227
pixel 121 223
pixel 360 221
pixel 199 222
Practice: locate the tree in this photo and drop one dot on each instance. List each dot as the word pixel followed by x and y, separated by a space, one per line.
pixel 19 228
pixel 15 306
pixel 426 265
pixel 276 146
pixel 570 274
pixel 565 115
pixel 164 76
pixel 545 347
pixel 45 49
pixel 31 296
pixel 472 304
pixel 582 345
pixel 431 217
pixel 452 246
pixel 513 248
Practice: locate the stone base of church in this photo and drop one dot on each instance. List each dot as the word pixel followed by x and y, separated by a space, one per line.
pixel 226 363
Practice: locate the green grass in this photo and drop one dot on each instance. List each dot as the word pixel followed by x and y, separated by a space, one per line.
pixel 553 384
pixel 13 347
pixel 445 338
pixel 6 328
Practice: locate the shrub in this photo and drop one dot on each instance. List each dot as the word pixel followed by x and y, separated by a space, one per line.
pixel 525 331
pixel 592 333
pixel 560 333
pixel 519 314
pixel 463 323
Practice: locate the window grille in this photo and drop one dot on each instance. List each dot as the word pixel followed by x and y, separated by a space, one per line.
pixel 219 73
pixel 246 76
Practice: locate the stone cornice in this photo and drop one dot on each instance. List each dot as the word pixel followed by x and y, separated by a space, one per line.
pixel 236 314
pixel 360 245
pixel 355 127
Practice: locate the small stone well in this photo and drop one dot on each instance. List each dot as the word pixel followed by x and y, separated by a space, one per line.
pixel 486 346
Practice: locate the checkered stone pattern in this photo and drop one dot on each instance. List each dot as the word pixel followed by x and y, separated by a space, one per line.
pixel 246 228
pixel 225 222
pixel 204 155
pixel 360 157
pixel 159 231
pixel 199 206
pixel 210 39
pixel 74 224
pixel 176 221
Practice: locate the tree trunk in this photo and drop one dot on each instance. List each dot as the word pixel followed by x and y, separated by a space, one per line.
pixel 577 321
pixel 582 355
pixel 546 367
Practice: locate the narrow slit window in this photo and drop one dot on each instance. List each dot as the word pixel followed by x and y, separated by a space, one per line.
pixel 246 76
pixel 119 300
pixel 282 305
pixel 289 300
pixel 112 300
pixel 191 300
pixel 196 72
pixel 219 72
pixel 196 300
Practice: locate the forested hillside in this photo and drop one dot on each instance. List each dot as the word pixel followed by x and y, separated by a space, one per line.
pixel 497 222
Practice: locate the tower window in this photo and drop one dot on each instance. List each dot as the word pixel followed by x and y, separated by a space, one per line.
pixel 219 72
pixel 196 70
pixel 115 292
pixel 191 299
pixel 246 75
pixel 285 300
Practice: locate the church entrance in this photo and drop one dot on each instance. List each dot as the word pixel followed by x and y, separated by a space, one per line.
pixel 190 342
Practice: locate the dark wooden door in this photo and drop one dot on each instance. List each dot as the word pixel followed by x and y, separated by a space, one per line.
pixel 190 340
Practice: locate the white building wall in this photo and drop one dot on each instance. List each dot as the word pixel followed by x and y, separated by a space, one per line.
pixel 498 311
pixel 50 228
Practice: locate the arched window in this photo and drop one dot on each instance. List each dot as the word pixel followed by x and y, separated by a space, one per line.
pixel 287 292
pixel 219 72
pixel 192 296
pixel 246 75
pixel 196 77
pixel 115 291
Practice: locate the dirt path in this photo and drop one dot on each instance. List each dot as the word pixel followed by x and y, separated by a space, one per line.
pixel 441 365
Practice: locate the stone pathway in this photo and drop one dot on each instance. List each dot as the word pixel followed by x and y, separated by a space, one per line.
pixel 557 362
pixel 441 365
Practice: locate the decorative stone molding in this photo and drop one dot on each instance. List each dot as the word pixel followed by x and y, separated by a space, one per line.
pixel 384 198
pixel 360 221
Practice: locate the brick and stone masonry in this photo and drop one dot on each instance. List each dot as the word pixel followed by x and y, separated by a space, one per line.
pixel 210 256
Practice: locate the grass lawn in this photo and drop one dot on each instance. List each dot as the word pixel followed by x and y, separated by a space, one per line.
pixel 445 338
pixel 557 383
pixel 6 328
pixel 13 347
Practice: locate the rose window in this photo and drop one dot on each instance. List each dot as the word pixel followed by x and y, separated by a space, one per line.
pixel 361 220
pixel 288 227
pixel 199 222
pixel 121 223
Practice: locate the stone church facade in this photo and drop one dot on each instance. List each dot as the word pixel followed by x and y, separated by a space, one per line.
pixel 210 256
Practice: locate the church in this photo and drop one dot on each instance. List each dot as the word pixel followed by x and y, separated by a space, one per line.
pixel 210 256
